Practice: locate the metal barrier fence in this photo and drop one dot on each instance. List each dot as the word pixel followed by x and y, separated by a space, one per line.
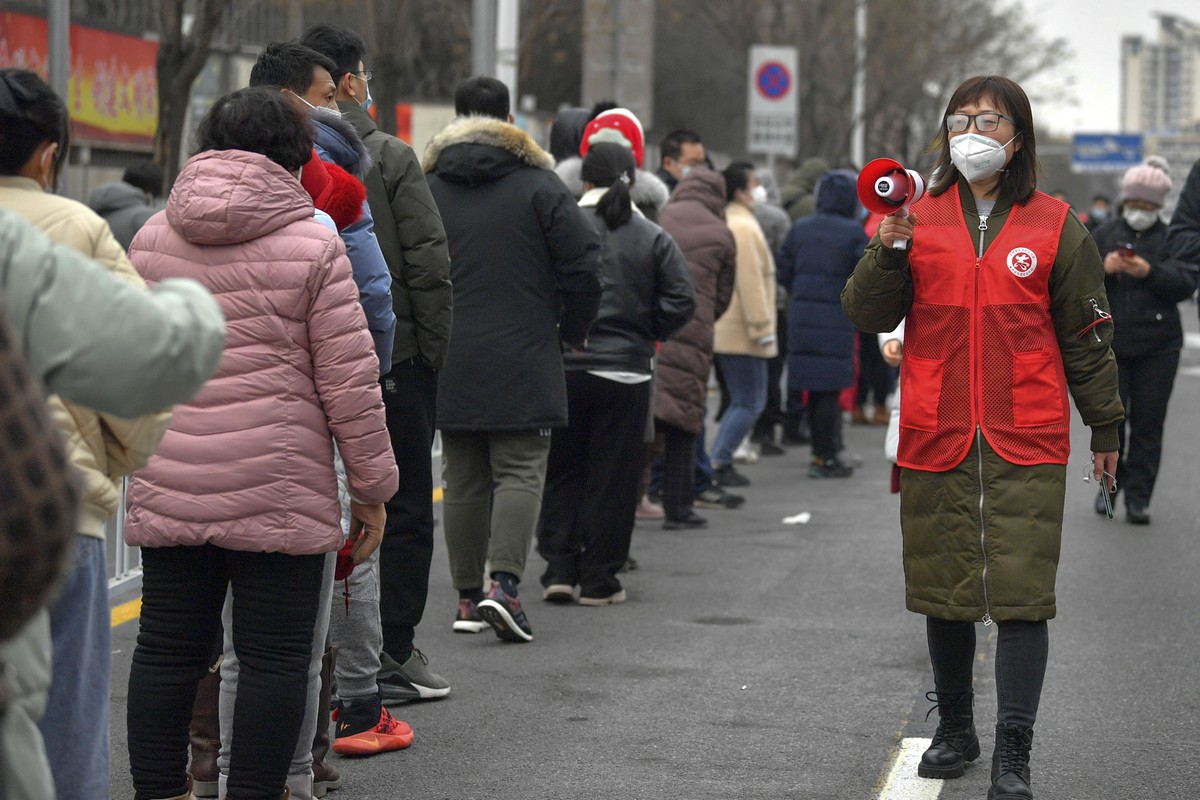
pixel 125 578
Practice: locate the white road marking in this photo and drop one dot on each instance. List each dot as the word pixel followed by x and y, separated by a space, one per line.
pixel 1191 340
pixel 902 782
pixel 1190 371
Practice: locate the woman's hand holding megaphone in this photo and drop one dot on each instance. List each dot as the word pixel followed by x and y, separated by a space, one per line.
pixel 896 230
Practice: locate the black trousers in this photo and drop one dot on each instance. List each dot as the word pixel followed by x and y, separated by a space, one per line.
pixel 275 602
pixel 875 377
pixel 773 413
pixel 405 555
pixel 679 467
pixel 1145 385
pixel 1022 651
pixel 592 480
pixel 825 420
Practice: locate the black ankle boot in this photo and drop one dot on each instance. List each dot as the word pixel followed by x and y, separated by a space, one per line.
pixel 1010 763
pixel 954 742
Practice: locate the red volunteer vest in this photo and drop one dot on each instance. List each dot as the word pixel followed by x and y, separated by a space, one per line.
pixel 979 343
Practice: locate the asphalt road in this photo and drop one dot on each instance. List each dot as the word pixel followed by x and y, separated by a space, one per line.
pixel 757 659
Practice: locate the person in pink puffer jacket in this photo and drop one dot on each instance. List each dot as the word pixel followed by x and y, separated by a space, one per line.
pixel 242 491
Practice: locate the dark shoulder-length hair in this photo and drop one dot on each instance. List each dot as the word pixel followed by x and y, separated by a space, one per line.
pixel 1019 178
pixel 259 119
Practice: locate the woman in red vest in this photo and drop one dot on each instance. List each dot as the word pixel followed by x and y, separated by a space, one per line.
pixel 1002 293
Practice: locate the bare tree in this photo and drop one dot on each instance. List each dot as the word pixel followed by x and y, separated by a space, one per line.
pixel 181 56
pixel 918 51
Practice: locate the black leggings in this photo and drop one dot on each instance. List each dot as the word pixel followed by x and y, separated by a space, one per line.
pixel 1022 649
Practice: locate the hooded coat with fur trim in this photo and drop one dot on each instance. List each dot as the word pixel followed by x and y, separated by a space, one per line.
pixel 338 144
pixel 524 263
pixel 648 192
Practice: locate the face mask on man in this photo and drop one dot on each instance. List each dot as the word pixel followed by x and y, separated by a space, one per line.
pixel 367 101
pixel 1098 214
pixel 759 195
pixel 333 112
pixel 1139 219
pixel 978 157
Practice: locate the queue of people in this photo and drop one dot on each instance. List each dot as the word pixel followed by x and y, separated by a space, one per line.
pixel 557 317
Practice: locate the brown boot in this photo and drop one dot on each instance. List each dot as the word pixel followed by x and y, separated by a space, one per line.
pixel 326 777
pixel 205 734
pixel 858 416
pixel 882 416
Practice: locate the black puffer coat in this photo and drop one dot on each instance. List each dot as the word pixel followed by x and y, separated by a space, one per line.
pixel 1145 310
pixel 524 263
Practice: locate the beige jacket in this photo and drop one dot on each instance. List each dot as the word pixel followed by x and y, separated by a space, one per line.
pixel 103 447
pixel 750 317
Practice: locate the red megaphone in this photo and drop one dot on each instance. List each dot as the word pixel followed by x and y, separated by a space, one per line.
pixel 886 187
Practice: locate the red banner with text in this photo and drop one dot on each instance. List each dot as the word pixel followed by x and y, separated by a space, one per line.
pixel 113 89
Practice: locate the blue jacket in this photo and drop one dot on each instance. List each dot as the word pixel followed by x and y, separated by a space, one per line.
pixel 817 258
pixel 337 142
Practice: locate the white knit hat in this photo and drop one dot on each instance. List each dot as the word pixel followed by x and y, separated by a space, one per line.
pixel 1150 181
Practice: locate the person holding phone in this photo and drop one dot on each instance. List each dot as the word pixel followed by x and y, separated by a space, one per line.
pixel 1145 286
pixel 1002 295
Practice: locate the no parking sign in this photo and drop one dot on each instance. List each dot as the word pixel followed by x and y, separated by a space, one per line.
pixel 771 107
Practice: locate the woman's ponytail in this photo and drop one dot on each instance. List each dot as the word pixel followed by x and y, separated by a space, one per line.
pixel 611 165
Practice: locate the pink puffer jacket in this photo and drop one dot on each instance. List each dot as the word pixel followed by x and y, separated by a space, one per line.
pixel 248 463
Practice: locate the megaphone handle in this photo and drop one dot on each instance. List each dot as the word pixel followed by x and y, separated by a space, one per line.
pixel 900 244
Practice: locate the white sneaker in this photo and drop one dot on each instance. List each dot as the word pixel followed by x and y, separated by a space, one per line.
pixel 746 452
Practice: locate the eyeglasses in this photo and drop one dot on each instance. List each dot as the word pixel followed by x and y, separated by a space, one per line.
pixel 365 75
pixel 985 122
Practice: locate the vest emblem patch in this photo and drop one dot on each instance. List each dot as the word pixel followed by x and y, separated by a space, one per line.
pixel 1022 262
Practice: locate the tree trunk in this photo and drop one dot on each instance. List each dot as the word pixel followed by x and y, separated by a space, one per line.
pixel 180 59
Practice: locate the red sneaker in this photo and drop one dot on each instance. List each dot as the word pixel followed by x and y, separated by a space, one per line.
pixel 389 734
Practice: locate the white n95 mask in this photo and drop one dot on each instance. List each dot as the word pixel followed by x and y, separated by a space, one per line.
pixel 977 157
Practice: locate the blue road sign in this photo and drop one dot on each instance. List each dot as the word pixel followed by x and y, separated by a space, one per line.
pixel 773 80
pixel 1105 152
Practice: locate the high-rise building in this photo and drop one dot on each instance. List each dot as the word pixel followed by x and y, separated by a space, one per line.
pixel 1160 80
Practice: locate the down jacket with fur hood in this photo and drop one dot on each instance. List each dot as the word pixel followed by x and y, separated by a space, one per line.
pixel 525 265
pixel 248 463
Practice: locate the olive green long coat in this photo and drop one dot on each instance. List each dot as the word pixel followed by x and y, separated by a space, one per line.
pixel 981 541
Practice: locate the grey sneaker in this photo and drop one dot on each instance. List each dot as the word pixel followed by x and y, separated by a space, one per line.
pixel 412 680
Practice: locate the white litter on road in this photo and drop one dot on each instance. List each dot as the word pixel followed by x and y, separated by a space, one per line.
pixel 799 519
pixel 902 782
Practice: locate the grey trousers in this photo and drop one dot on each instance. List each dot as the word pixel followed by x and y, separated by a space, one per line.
pixel 494 482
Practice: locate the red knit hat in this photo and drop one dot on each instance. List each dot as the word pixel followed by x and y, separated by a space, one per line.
pixel 615 125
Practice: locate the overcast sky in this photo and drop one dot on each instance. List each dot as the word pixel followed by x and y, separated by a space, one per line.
pixel 1094 28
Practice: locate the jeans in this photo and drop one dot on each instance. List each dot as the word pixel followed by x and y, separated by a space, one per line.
pixel 410 399
pixel 746 378
pixel 75 727
pixel 275 604
pixel 592 484
pixel 494 482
